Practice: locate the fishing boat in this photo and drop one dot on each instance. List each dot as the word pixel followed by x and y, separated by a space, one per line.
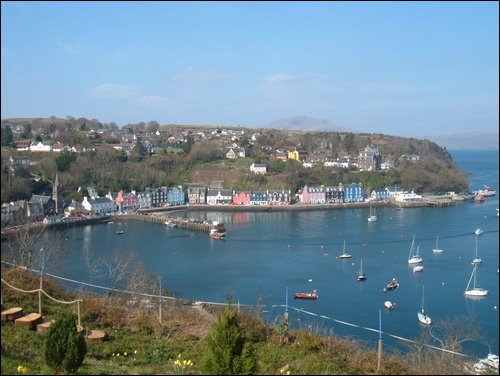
pixel 421 315
pixel 306 295
pixel 476 260
pixel 392 285
pixel 361 274
pixel 217 234
pixel 437 249
pixel 414 257
pixel 486 192
pixel 344 255
pixel 479 197
pixel 372 216
pixel 474 291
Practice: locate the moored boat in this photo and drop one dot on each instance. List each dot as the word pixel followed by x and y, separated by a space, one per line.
pixel 216 234
pixel 306 295
pixel 392 285
pixel 389 305
pixel 418 268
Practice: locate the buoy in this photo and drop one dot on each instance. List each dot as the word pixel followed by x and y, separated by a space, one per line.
pixel 309 280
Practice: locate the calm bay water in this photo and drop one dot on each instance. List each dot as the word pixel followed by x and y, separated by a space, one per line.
pixel 266 253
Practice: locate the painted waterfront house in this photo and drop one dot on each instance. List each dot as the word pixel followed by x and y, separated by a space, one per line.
pixel 144 199
pixel 176 196
pixel 259 198
pixel 241 198
pixel 279 197
pixel 334 194
pixel 313 195
pixel 354 193
pixel 197 195
pixel 219 196
pixel 74 208
pixel 130 201
pixel 379 194
pixel 158 196
pixel 99 205
pixel 394 191
pixel 408 197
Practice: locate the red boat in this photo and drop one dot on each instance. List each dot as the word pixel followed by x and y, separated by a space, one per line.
pixel 306 295
pixel 392 285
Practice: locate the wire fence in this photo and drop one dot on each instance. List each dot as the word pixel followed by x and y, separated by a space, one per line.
pixel 286 307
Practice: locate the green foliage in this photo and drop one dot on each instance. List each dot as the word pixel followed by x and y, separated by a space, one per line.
pixel 7 136
pixel 227 352
pixel 64 161
pixel 65 348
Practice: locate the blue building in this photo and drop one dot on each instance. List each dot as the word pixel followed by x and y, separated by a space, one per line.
pixel 258 198
pixel 380 194
pixel 176 196
pixel 354 193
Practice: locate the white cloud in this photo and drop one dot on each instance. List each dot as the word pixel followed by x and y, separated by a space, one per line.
pixel 192 75
pixel 111 91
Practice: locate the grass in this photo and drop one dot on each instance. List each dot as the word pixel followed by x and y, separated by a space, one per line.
pixel 138 343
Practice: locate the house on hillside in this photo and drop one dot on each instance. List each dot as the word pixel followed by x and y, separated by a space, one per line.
pixel 258 168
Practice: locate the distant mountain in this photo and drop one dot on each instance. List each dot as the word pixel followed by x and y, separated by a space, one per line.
pixel 306 123
pixel 467 141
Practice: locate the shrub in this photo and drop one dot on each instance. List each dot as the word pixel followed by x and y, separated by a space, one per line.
pixel 227 352
pixel 65 348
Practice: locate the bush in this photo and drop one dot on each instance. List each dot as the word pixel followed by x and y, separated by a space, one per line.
pixel 227 351
pixel 65 348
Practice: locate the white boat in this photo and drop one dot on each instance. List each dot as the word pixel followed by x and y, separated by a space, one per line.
pixel 486 192
pixel 372 216
pixel 389 305
pixel 474 291
pixel 476 260
pixel 413 257
pixel 361 274
pixel 437 249
pixel 478 231
pixel 418 268
pixel 488 364
pixel 344 255
pixel 422 316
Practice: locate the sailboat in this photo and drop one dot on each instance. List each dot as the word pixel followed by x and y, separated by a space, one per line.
pixel 474 291
pixel 372 216
pixel 422 316
pixel 361 274
pixel 437 249
pixel 413 257
pixel 476 260
pixel 344 255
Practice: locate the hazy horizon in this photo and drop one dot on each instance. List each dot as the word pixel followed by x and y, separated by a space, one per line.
pixel 397 68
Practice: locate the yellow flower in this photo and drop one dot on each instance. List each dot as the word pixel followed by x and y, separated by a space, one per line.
pixel 135 352
pixel 125 353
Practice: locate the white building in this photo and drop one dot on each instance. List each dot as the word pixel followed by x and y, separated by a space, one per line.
pixel 258 168
pixel 98 205
pixel 40 147
pixel 407 197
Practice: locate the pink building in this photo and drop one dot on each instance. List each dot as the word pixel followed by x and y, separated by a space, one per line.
pixel 241 198
pixel 313 195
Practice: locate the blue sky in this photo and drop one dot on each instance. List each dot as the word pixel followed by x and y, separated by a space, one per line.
pixel 401 68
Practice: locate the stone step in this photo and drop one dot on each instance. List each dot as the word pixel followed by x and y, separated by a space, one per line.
pixel 12 314
pixel 44 326
pixel 31 320
pixel 95 335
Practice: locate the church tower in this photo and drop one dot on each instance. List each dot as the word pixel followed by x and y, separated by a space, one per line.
pixel 57 196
